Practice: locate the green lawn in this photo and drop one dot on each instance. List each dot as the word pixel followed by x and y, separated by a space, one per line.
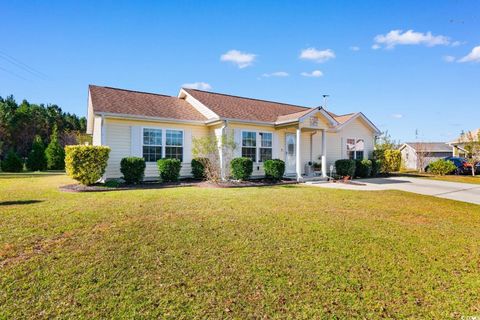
pixel 273 252
pixel 451 178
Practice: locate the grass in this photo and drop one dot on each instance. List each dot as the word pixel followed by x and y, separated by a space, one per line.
pixel 451 178
pixel 272 252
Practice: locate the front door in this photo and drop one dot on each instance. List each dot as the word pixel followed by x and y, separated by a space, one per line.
pixel 290 153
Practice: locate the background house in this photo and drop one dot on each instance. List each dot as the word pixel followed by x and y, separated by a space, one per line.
pixel 417 155
pixel 458 145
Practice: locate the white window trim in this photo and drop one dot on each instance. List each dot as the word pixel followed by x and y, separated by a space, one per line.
pixel 355 147
pixel 258 144
pixel 164 140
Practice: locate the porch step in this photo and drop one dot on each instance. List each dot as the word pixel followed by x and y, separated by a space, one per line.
pixel 313 180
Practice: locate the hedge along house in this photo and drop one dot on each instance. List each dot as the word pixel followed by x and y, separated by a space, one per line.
pixel 155 126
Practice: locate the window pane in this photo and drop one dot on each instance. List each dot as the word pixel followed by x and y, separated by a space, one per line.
pixel 152 154
pixel 174 153
pixel 265 154
pixel 351 155
pixel 249 139
pixel 266 139
pixel 350 144
pixel 359 155
pixel 360 145
pixel 152 137
pixel 174 138
pixel 249 153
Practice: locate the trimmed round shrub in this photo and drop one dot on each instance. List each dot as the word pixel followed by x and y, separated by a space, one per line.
pixel 37 161
pixel 241 168
pixel 376 167
pixel 86 164
pixel 198 168
pixel 133 169
pixel 345 167
pixel 392 160
pixel 169 169
pixel 441 167
pixel 55 153
pixel 363 168
pixel 274 169
pixel 12 162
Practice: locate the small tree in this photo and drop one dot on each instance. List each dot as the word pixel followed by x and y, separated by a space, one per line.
pixel 422 156
pixel 207 151
pixel 55 153
pixel 12 162
pixel 37 161
pixel 472 146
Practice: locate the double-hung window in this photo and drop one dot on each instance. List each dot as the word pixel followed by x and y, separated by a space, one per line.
pixel 174 144
pixel 355 148
pixel 152 144
pixel 162 143
pixel 265 146
pixel 249 145
pixel 257 146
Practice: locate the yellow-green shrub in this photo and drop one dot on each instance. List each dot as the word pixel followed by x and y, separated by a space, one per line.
pixel 86 164
pixel 392 161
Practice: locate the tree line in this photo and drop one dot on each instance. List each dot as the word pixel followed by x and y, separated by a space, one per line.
pixel 26 126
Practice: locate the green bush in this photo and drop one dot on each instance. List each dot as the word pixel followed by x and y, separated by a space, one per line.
pixel 55 153
pixel 86 164
pixel 363 168
pixel 274 169
pixel 198 169
pixel 441 167
pixel 12 162
pixel 241 168
pixel 345 167
pixel 376 167
pixel 392 160
pixel 169 169
pixel 37 161
pixel 133 169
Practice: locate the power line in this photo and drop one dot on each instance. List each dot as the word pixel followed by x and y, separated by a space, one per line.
pixel 22 65
pixel 13 73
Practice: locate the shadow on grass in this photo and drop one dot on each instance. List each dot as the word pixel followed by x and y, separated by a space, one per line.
pixel 18 202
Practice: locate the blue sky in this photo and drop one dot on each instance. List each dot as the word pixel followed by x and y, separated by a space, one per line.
pixel 426 79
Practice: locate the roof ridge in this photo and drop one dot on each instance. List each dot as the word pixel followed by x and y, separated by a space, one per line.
pixel 263 100
pixel 135 91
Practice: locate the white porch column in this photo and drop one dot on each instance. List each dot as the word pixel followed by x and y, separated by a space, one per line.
pixel 324 153
pixel 298 154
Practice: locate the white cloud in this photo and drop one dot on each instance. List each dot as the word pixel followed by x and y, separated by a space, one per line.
pixel 410 37
pixel 240 59
pixel 376 47
pixel 397 115
pixel 317 55
pixel 448 58
pixel 473 56
pixel 355 48
pixel 276 74
pixel 313 74
pixel 197 85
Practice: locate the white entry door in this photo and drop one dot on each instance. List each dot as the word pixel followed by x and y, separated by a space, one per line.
pixel 290 153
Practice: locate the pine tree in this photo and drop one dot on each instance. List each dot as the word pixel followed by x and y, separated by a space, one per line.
pixel 55 153
pixel 12 162
pixel 37 161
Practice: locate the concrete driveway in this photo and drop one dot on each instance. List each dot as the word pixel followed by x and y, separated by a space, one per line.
pixel 465 192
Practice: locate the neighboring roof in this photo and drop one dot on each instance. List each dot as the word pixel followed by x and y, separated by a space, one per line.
pixel 430 146
pixel 464 138
pixel 128 102
pixel 241 108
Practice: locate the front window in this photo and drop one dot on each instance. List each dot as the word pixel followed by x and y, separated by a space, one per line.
pixel 159 143
pixel 152 144
pixel 249 145
pixel 265 146
pixel 174 144
pixel 355 148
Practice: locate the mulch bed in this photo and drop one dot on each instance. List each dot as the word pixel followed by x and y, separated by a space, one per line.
pixel 182 183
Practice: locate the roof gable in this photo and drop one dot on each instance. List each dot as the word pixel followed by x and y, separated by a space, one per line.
pixel 135 103
pixel 428 146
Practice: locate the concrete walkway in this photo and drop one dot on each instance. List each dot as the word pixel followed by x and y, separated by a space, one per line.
pixel 465 192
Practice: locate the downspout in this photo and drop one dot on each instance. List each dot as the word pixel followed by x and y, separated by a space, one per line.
pixel 222 155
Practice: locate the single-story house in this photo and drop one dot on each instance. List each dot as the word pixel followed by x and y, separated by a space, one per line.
pixel 417 155
pixel 155 126
pixel 458 145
